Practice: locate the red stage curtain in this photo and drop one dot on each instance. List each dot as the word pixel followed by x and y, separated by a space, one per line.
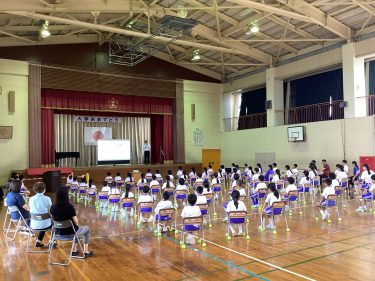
pixel 48 137
pixel 64 99
pixel 167 137
pixel 156 137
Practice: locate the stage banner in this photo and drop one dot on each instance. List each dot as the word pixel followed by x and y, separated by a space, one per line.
pixel 97 119
pixel 93 134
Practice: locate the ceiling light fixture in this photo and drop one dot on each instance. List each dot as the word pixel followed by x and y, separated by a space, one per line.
pixel 252 28
pixel 44 32
pixel 130 24
pixel 196 56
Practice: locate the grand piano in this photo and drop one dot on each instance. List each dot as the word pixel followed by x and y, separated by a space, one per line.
pixel 62 155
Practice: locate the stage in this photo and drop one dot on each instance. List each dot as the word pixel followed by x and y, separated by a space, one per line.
pixel 98 173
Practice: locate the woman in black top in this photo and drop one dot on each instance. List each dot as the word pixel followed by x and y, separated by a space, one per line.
pixel 62 210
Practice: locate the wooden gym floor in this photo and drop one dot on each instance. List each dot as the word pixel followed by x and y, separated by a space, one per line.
pixel 310 251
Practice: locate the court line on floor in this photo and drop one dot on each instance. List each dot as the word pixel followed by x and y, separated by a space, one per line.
pixel 295 251
pixel 312 259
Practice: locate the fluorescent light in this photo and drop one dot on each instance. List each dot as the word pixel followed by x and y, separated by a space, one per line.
pixel 44 32
pixel 254 29
pixel 196 56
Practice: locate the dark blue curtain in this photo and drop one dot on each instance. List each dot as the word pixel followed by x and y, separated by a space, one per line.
pixel 317 88
pixel 372 77
pixel 253 102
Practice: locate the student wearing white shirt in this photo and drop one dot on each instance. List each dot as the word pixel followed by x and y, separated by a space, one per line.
pixel 128 194
pixel 236 205
pixel 328 190
pixel 255 196
pixel 210 171
pixel 216 179
pixel 191 211
pixel 366 174
pixel 114 190
pixel 272 197
pixel 129 178
pixel 184 175
pixel 291 187
pixel 260 168
pixel 206 189
pixel 148 173
pixel 146 152
pixel 368 196
pixel 201 199
pixel 170 174
pixel 312 173
pixel 164 204
pixel 106 187
pixel 108 178
pixel 295 170
pixel 256 175
pixel 205 174
pixel 158 175
pixel 153 183
pixel 276 176
pixel 305 179
pixel 69 179
pixel 168 183
pixel 235 179
pixel 118 177
pixel 181 184
pixel 341 175
pixel 142 180
pixel 345 165
pixel 91 184
pixel 199 180
pixel 145 197
pixel 288 172
pixel 335 182
pixel 83 182
pixel 192 173
pixel 180 172
pixel 274 167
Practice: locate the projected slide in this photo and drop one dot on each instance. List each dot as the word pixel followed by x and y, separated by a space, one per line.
pixel 113 152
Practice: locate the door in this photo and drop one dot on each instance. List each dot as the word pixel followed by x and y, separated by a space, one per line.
pixel 211 156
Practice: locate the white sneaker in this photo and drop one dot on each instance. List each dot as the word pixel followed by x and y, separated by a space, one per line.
pixel 190 240
pixel 270 226
pixel 240 233
pixel 359 209
pixel 364 209
pixel 325 216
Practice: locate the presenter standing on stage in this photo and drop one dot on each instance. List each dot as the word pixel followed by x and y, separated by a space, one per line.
pixel 146 152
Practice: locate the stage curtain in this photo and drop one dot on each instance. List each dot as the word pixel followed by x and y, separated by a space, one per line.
pixel 86 101
pixel 48 138
pixel 167 137
pixel 70 137
pixel 156 138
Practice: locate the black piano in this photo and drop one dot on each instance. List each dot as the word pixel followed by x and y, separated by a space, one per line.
pixel 62 155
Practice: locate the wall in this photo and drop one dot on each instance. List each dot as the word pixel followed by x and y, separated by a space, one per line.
pixel 14 152
pixel 328 140
pixel 207 100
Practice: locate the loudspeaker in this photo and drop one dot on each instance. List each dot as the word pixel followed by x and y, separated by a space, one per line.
pixel 268 104
pixel 52 179
pixel 192 112
pixel 12 101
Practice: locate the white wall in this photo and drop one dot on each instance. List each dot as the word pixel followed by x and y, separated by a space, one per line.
pixel 333 140
pixel 14 152
pixel 207 100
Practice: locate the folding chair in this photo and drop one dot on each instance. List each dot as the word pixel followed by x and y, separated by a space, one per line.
pixel 192 225
pixel 277 210
pixel 140 189
pixel 144 208
pixel 340 195
pixel 120 183
pixel 305 189
pixel 170 191
pixel 205 212
pixel 293 198
pixel 156 191
pixel 73 189
pixel 331 202
pixel 261 195
pixel 180 195
pixel 64 238
pixel 345 185
pixel 237 217
pixel 7 215
pixel 217 189
pixel 91 193
pixel 165 215
pixel 82 194
pixel 316 184
pixel 129 203
pixel 17 223
pixel 36 217
pixel 114 200
pixel 103 199
pixel 280 185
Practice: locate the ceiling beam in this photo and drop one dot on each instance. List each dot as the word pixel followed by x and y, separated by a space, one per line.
pixel 16 36
pixel 124 31
pixel 366 7
pixel 320 17
pixel 272 9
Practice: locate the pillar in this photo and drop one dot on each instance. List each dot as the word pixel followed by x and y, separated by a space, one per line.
pixel 275 115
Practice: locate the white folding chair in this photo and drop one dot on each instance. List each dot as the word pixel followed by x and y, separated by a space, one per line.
pixel 16 223
pixel 36 218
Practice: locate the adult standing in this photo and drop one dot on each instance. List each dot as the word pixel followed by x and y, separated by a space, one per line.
pixel 326 170
pixel 146 152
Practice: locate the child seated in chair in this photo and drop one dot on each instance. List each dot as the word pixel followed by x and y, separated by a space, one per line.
pixel 199 180
pixel 164 204
pixel 108 178
pixel 206 188
pixel 128 194
pixel 255 196
pixel 291 187
pixel 236 178
pixel 328 190
pixel 154 182
pixel 366 196
pixel 145 197
pixel 239 187
pixel 272 197
pixel 191 211
pixel 118 177
pixel 168 183
pixel 235 205
pixel 129 178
